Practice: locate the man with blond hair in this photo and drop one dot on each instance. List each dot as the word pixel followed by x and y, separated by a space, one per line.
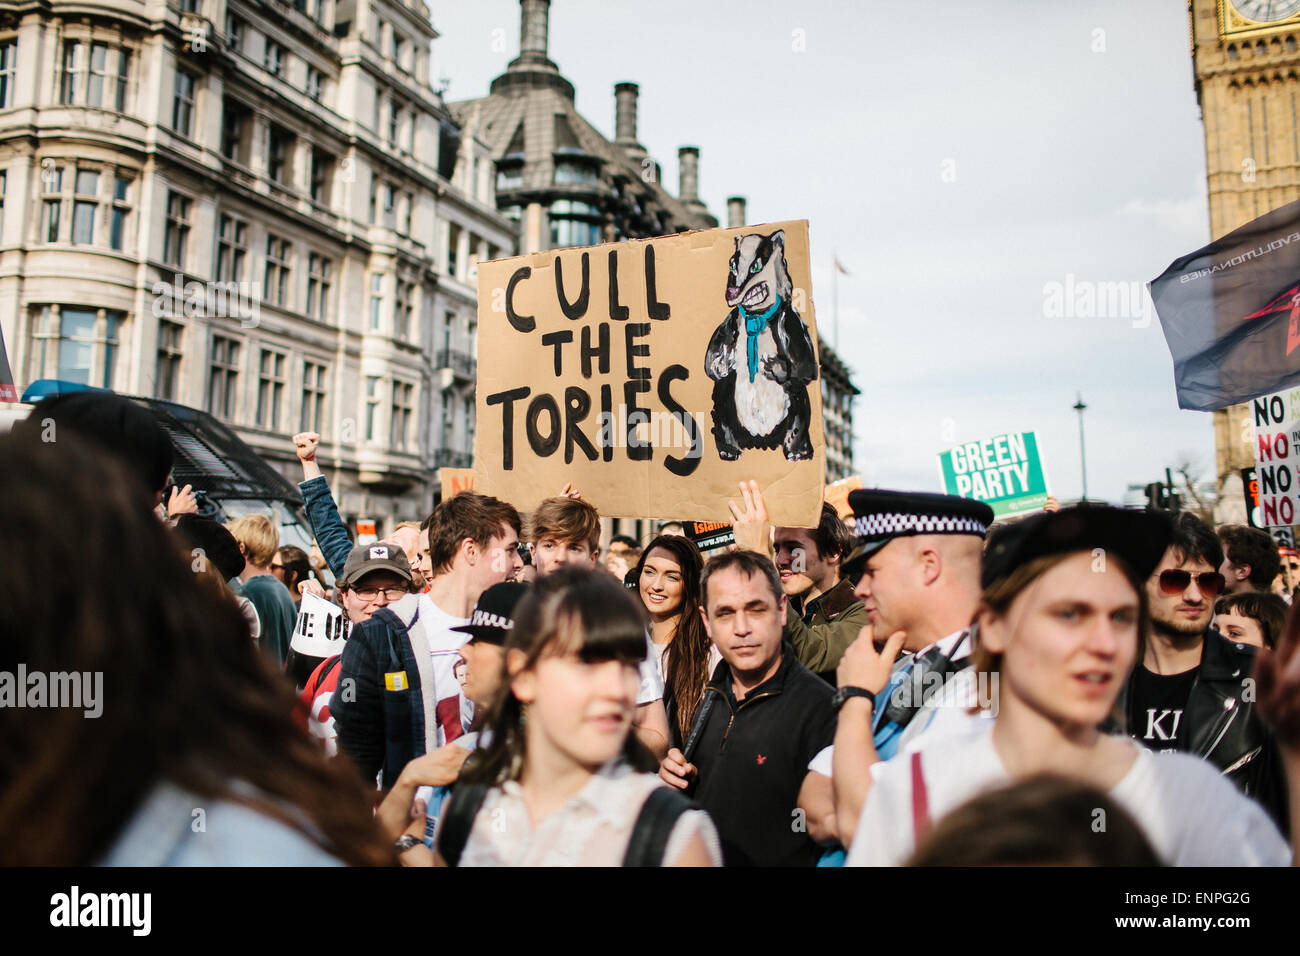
pixel 258 542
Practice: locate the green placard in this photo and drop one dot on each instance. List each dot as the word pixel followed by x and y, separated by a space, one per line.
pixel 1005 472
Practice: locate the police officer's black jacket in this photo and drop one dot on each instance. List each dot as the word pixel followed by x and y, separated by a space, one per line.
pixel 1222 726
pixel 752 758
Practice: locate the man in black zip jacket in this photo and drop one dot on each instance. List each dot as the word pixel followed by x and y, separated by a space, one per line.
pixel 1193 690
pixel 765 716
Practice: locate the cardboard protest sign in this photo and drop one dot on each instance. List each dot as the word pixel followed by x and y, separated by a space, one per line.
pixel 1277 457
pixel 321 628
pixel 1005 472
pixel 654 375
pixel 709 535
pixel 456 480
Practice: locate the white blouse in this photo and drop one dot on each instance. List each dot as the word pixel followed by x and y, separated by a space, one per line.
pixel 591 829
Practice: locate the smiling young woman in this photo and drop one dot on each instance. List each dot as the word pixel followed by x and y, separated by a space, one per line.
pixel 1058 627
pixel 561 780
pixel 668 576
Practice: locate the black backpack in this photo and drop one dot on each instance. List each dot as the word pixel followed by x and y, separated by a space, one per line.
pixel 646 846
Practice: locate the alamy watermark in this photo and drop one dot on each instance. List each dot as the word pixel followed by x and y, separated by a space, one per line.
pixel 229 300
pixel 75 689
pixel 1084 299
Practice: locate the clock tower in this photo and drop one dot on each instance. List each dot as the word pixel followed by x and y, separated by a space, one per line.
pixel 1246 55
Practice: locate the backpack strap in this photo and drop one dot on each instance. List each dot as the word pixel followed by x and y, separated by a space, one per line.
pixel 654 824
pixel 458 814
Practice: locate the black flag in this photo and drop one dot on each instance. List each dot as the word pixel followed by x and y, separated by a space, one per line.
pixel 1231 313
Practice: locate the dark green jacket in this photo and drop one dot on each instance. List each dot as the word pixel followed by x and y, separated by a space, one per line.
pixel 828 625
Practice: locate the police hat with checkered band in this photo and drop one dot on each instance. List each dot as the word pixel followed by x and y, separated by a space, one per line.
pixel 494 614
pixel 881 516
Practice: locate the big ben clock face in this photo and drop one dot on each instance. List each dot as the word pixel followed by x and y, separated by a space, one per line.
pixel 1266 11
pixel 1248 18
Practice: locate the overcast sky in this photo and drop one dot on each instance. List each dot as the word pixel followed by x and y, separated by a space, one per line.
pixel 958 157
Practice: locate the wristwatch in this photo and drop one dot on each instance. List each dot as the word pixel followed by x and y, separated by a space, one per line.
pixel 405 842
pixel 844 693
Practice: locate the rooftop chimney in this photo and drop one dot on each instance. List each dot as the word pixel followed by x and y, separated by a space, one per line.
pixel 533 29
pixel 625 113
pixel 735 212
pixel 688 174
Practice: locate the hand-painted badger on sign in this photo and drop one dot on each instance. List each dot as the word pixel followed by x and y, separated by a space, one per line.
pixel 761 358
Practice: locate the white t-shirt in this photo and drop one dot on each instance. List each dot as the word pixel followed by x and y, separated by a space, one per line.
pixel 591 829
pixel 652 684
pixel 1191 815
pixel 444 649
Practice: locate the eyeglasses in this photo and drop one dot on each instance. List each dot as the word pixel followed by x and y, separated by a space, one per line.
pixel 1175 582
pixel 369 594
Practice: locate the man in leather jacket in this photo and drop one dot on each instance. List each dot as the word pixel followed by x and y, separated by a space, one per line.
pixel 1192 690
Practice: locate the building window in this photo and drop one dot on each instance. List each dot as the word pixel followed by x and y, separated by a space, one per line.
pixel 322 168
pixel 123 73
pixel 277 270
pixel 400 426
pixel 569 171
pixel 232 249
pixel 453 250
pixel 394 122
pixel 274 58
pixel 189 6
pixel 270 389
pixel 279 143
pixel 83 342
pixel 574 223
pixel 511 177
pixel 469 425
pixel 223 378
pixel 52 205
pixel 372 405
pixel 121 209
pixel 390 205
pixel 70 83
pixel 176 235
pixel 167 368
pixel 314 83
pixel 402 310
pixel 98 78
pixel 85 205
pixel 376 300
pixel 234 33
pixel 8 72
pixel 4 182
pixel 408 210
pixel 183 104
pixel 313 397
pixel 234 130
pixel 319 279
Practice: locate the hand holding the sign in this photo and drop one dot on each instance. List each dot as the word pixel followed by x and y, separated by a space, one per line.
pixel 312 586
pixel 750 525
pixel 863 666
pixel 568 491
pixel 305 445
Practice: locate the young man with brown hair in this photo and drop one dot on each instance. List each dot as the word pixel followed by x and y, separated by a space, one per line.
pixel 398 696
pixel 566 530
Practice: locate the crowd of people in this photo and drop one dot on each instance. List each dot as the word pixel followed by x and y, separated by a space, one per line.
pixel 916 685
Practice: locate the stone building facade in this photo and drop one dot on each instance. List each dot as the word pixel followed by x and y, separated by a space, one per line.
pixel 257 208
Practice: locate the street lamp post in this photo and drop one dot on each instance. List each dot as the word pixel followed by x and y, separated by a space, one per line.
pixel 1083 463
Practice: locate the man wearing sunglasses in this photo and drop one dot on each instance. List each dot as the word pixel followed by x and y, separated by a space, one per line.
pixel 1192 689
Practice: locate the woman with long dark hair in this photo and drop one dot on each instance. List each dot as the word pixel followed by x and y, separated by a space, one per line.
pixel 560 779
pixel 181 749
pixel 668 580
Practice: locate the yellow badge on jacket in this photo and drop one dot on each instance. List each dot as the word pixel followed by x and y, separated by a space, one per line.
pixel 396 681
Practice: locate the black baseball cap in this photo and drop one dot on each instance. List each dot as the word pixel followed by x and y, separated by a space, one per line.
pixel 880 516
pixel 1138 538
pixel 494 613
pixel 380 556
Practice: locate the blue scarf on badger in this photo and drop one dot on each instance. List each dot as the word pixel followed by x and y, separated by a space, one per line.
pixel 754 325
